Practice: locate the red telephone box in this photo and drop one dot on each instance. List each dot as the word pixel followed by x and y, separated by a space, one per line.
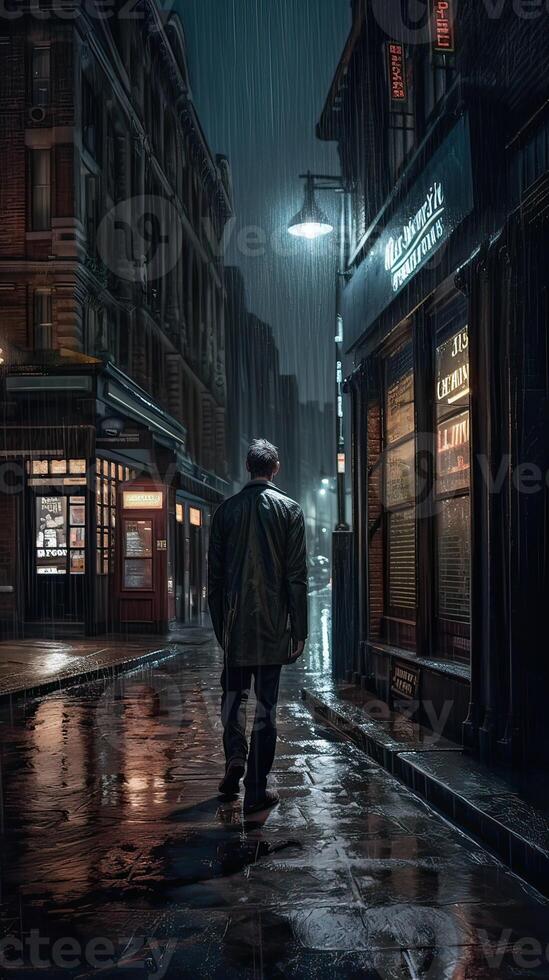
pixel 143 557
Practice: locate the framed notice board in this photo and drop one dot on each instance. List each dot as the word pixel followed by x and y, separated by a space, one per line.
pixel 405 679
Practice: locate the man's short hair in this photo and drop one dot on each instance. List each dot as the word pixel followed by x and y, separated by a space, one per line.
pixel 262 458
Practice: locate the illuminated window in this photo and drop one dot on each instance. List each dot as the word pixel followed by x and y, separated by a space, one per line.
pixel 106 484
pixel 452 482
pixel 195 516
pixel 58 467
pixel 51 535
pixel 60 535
pixel 77 466
pixel 179 513
pixel 39 467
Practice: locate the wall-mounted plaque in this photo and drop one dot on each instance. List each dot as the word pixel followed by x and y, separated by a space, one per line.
pixel 405 679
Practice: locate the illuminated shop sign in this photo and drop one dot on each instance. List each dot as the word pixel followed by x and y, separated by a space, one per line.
pixel 443 26
pixel 139 500
pixel 396 59
pixel 408 249
pixel 414 234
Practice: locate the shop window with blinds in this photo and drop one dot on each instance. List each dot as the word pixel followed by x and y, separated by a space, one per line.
pixel 452 483
pixel 399 459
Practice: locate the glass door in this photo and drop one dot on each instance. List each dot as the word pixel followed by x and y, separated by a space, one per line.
pixel 137 572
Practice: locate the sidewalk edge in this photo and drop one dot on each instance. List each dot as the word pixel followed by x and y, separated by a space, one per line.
pixel 519 854
pixel 87 676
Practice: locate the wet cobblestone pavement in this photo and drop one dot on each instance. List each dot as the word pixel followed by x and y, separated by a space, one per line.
pixel 31 665
pixel 119 860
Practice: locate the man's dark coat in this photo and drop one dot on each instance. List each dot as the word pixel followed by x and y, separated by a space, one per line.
pixel 257 575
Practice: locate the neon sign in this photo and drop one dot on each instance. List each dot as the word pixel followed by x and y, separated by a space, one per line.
pixel 443 26
pixel 397 72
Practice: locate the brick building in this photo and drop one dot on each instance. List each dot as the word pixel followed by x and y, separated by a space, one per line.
pixel 112 303
pixel 443 135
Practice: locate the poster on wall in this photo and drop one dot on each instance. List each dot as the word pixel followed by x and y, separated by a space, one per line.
pixel 51 535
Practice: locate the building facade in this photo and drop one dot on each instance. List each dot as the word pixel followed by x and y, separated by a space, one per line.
pixel 318 484
pixel 443 134
pixel 262 402
pixel 112 302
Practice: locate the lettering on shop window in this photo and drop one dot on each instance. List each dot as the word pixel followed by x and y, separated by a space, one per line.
pixel 453 369
pixel 455 434
pixel 453 454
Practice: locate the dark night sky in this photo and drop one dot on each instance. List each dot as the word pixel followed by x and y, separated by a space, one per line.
pixel 260 73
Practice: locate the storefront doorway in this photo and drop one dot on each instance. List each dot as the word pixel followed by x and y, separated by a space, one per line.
pixel 142 574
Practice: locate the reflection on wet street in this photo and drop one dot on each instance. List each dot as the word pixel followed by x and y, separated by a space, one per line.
pixel 116 851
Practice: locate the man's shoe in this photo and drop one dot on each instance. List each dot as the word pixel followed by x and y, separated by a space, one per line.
pixel 254 804
pixel 230 784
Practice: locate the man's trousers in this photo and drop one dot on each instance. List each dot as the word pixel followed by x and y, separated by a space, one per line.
pixel 236 683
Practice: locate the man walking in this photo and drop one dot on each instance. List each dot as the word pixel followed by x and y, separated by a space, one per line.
pixel 257 593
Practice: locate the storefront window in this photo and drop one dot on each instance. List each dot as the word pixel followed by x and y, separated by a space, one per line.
pixel 51 535
pixel 106 515
pixel 60 535
pixel 452 476
pixel 59 468
pixel 399 480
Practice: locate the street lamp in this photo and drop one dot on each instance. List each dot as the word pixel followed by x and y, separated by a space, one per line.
pixel 312 223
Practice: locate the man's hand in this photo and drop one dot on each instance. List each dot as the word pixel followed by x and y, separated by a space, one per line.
pixel 297 650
